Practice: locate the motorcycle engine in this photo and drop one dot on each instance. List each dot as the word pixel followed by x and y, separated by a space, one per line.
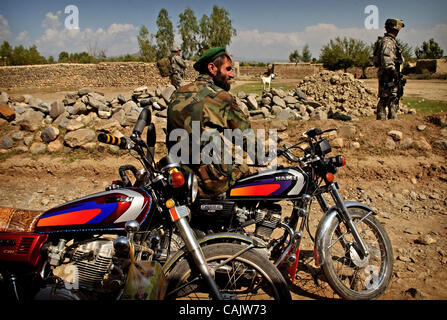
pixel 90 271
pixel 266 218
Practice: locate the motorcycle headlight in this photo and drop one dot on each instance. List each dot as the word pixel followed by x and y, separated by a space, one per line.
pixel 193 187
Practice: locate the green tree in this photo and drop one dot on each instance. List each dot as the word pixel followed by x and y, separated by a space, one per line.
pixel 429 50
pixel 6 51
pixel 345 53
pixel 189 30
pixel 63 57
pixel 19 56
pixel 306 56
pixel 165 34
pixel 33 56
pixel 205 34
pixel 147 50
pixel 295 57
pixel 406 50
pixel 221 28
pixel 50 59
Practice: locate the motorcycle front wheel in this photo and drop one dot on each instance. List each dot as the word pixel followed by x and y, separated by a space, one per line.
pixel 248 276
pixel 349 274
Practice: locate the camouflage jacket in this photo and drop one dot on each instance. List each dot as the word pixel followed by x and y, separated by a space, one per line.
pixel 178 64
pixel 390 56
pixel 204 103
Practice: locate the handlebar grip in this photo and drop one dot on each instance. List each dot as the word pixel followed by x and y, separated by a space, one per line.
pixel 109 139
pixel 144 118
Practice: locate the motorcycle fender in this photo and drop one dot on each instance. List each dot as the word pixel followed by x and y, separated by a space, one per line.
pixel 323 227
pixel 207 240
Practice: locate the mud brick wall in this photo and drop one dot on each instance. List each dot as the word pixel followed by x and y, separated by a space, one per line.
pixel 69 75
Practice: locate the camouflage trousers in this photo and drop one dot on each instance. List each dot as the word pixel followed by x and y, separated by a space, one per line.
pixel 388 101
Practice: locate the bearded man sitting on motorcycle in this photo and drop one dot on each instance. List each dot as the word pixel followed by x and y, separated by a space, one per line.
pixel 207 103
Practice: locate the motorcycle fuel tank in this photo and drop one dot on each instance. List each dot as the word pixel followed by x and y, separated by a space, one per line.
pixel 272 184
pixel 108 210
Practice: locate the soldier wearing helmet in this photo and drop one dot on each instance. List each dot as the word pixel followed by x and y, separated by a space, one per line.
pixel 178 67
pixel 388 58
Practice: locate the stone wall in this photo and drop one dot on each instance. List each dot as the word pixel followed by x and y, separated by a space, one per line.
pixel 283 70
pixel 69 75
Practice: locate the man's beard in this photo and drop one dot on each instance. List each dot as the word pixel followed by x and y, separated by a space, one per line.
pixel 221 81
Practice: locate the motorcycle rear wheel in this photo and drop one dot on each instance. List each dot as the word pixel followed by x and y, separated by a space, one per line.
pixel 246 277
pixel 349 275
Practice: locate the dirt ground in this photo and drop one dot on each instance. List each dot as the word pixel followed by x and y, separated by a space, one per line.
pixel 406 186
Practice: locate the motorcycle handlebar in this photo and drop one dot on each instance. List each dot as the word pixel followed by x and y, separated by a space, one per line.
pixel 109 139
pixel 143 119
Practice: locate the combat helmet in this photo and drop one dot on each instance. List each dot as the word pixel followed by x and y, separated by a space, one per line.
pixel 394 24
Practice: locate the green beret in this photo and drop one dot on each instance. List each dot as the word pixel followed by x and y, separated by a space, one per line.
pixel 208 56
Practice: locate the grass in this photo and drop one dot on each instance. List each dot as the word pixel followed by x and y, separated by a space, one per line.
pixel 425 106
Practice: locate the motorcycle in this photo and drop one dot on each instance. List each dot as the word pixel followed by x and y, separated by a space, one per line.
pixel 80 250
pixel 350 245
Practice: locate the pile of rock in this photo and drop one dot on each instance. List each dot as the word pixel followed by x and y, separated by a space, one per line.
pixel 79 116
pixel 319 97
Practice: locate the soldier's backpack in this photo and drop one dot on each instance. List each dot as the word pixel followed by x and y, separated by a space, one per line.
pixel 165 67
pixel 377 50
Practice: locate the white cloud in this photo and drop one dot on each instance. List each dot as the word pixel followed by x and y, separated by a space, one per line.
pixel 5 32
pixel 253 44
pixel 51 20
pixel 116 39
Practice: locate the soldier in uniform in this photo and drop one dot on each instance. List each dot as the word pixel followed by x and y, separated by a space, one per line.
pixel 389 62
pixel 178 67
pixel 207 102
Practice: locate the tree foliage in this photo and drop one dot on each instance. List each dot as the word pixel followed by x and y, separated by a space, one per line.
pixel 429 50
pixel 295 56
pixel 147 50
pixel 189 30
pixel 164 35
pixel 306 56
pixel 345 53
pixel 19 55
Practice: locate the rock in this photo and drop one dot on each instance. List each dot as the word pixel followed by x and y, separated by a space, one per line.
pixel 421 127
pixel 18 135
pixel 300 94
pixel 318 114
pixel 84 91
pixel 30 120
pixel 79 107
pixel 337 143
pixel 6 112
pixel 251 102
pixel 38 147
pixel 129 106
pixel 425 240
pixel 55 146
pixel 57 107
pixel 74 124
pixel 395 134
pixel 279 125
pixel 286 114
pixel 28 140
pixel 390 144
pixel 276 110
pixel 354 145
pixel 406 143
pixel 79 137
pixel 6 142
pixel 95 103
pixel 49 134
pixel 279 102
pixel 279 92
pixel 334 79
pixel 108 125
pixel 62 120
pixel 290 100
pixel 4 98
pixel 422 144
pixel 120 116
pixel 167 92
pixel 415 293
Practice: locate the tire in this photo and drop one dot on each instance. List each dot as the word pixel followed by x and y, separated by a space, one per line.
pixel 350 276
pixel 259 279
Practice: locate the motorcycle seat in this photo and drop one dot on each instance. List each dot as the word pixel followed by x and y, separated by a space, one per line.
pixel 18 220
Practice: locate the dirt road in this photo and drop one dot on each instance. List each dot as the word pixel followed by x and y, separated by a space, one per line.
pixel 407 186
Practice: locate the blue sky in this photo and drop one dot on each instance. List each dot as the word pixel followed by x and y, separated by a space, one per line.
pixel 267 30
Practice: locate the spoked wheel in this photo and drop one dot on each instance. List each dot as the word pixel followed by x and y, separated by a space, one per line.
pixel 246 277
pixel 350 274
